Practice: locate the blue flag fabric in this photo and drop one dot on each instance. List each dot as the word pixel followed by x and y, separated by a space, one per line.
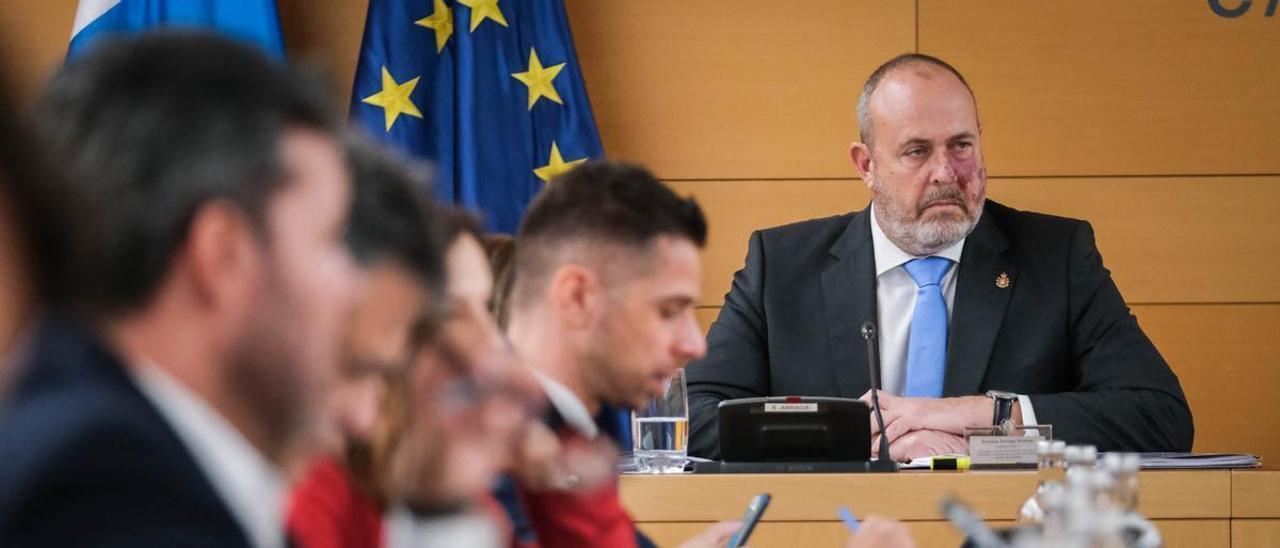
pixel 489 90
pixel 251 21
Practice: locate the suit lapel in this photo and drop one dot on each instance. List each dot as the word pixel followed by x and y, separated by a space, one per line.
pixel 979 307
pixel 849 298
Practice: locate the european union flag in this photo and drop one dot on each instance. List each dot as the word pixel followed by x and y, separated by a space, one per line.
pixel 252 21
pixel 489 90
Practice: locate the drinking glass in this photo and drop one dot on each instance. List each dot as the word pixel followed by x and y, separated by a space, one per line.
pixel 660 430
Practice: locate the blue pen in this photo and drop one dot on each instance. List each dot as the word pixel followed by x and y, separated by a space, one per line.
pixel 847 517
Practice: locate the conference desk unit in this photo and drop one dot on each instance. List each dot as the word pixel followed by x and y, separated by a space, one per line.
pixel 1191 507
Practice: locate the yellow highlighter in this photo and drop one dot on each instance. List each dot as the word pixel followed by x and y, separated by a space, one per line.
pixel 949 462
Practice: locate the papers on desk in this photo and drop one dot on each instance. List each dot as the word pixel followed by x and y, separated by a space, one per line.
pixel 1156 461
pixel 1199 461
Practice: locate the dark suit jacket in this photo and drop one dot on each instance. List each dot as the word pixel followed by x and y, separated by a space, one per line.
pixel 1060 332
pixel 86 460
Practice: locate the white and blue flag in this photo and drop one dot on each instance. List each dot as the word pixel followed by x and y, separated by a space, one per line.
pixel 251 21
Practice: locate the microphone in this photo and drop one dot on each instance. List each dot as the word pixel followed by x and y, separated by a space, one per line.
pixel 885 461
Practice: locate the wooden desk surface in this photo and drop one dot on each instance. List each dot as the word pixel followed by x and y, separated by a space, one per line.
pixel 910 495
pixel 1191 507
pixel 1255 494
pixel 1255 508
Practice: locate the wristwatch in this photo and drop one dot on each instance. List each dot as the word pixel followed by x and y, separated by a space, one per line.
pixel 1003 416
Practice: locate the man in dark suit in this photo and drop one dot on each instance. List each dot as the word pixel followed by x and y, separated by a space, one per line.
pixel 987 315
pixel 207 288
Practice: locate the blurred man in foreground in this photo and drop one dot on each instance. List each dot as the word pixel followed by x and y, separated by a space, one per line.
pixel 29 228
pixel 211 287
pixel 466 402
pixel 339 500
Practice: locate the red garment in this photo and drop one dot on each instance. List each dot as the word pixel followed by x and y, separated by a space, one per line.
pixel 327 510
pixel 572 519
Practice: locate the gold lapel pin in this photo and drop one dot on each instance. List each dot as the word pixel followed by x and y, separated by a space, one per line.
pixel 1003 281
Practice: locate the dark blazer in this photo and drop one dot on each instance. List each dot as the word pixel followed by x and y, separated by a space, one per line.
pixel 86 460
pixel 1059 333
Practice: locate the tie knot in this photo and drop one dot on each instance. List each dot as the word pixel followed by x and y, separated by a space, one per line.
pixel 927 271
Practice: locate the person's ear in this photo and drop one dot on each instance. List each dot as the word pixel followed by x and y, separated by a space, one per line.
pixel 860 153
pixel 575 295
pixel 222 256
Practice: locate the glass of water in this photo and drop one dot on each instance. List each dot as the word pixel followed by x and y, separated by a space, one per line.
pixel 660 430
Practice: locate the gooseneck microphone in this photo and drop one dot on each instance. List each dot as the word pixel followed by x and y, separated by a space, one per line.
pixel 885 461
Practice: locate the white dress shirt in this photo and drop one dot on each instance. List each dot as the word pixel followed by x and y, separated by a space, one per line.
pixel 896 303
pixel 248 484
pixel 473 529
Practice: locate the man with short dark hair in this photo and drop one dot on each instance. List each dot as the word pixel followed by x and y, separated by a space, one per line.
pixel 210 282
pixel 987 315
pixel 606 276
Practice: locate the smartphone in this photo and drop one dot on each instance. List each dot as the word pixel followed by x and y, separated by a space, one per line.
pixel 754 511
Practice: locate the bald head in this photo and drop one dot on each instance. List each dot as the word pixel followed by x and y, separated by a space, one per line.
pixel 900 75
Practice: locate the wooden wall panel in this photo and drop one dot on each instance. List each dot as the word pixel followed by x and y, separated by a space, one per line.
pixel 1166 240
pixel 734 209
pixel 746 89
pixel 1172 240
pixel 1227 358
pixel 1098 87
pixel 33 42
pixel 327 34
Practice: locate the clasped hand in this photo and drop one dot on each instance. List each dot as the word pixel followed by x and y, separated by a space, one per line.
pixel 919 427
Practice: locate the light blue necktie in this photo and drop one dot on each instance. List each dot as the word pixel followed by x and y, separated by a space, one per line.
pixel 927 346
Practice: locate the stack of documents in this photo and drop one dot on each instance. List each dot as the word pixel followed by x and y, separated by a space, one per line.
pixel 1158 461
pixel 1167 461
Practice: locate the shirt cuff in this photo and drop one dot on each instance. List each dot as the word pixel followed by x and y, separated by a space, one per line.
pixel 1028 413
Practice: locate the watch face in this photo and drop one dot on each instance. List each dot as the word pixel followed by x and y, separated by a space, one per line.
pixel 1006 426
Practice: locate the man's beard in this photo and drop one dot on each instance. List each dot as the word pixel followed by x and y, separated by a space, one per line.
pixel 922 236
pixel 266 374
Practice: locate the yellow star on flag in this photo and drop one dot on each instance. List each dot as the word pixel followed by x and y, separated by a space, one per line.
pixel 441 21
pixel 484 9
pixel 555 165
pixel 394 98
pixel 541 80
